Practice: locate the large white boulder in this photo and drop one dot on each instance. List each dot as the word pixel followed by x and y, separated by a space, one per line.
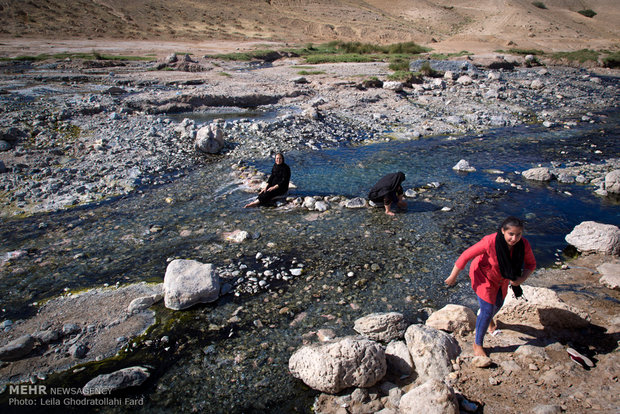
pixel 332 367
pixel 610 275
pixel 381 326
pixel 453 318
pixel 398 359
pixel 541 308
pixel 463 165
pixel 590 236
pixel 432 397
pixel 188 282
pixel 612 182
pixel 537 174
pixel 432 351
pixel 210 139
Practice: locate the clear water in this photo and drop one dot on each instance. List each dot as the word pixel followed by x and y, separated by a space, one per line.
pixel 215 364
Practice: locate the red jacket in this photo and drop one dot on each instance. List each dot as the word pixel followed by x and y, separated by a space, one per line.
pixel 486 278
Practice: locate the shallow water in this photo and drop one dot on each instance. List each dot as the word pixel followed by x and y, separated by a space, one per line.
pixel 218 364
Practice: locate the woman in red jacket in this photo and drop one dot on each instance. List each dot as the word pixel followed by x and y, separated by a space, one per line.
pixel 498 260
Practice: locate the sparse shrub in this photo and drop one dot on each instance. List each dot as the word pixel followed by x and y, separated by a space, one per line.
pixel 407 48
pixel 405 77
pixel 540 5
pixel 523 52
pixel 587 12
pixel 399 64
pixel 428 71
pixel 612 60
pixel 580 56
pixel 310 72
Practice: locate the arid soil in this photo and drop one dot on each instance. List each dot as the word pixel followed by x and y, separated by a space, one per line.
pixel 475 26
pixel 158 28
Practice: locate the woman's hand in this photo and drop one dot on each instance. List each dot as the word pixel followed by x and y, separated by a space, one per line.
pixel 451 280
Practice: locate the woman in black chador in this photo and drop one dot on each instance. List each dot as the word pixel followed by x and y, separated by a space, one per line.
pixel 388 191
pixel 277 184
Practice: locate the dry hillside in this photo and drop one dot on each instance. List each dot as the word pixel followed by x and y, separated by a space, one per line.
pixel 455 25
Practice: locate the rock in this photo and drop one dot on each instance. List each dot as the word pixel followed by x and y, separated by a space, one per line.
pixel 70 329
pixel 17 349
pixel 398 359
pixel 528 354
pixel 465 80
pixel 438 84
pixel 330 368
pixel 144 302
pixel 4 146
pixel 538 174
pixel 434 396
pixel 309 203
pixel 537 84
pixel 543 309
pixel 393 86
pixel 453 318
pixel 463 165
pixel 47 336
pixel 590 236
pixel 321 206
pixel 565 178
pixel 357 202
pixel 610 275
pixel 547 409
pixel 78 350
pixel 172 58
pixel 612 182
pixel 383 327
pixel 449 75
pixel 432 351
pixel 481 362
pixel 188 282
pixel 237 236
pixel 210 139
pixel 2 168
pixel 300 80
pixel 494 76
pixel 118 380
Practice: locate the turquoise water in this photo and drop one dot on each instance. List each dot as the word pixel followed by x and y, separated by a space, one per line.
pixel 399 264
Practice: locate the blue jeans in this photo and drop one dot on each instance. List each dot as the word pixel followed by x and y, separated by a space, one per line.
pixel 487 312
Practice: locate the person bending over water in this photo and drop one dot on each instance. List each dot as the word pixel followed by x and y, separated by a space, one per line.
pixel 388 191
pixel 499 259
pixel 277 184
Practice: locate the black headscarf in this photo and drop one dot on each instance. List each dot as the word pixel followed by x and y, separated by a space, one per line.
pixel 509 266
pixel 387 184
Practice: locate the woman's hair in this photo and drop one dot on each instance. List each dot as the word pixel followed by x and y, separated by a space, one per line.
pixel 511 222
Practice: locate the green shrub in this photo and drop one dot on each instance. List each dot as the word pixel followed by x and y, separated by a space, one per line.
pixel 407 48
pixel 344 58
pixel 428 71
pixel 612 60
pixel 580 56
pixel 522 51
pixel 399 64
pixel 539 4
pixel 405 77
pixel 310 72
pixel 588 13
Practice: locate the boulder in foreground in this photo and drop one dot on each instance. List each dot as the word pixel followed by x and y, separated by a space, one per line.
pixel 188 282
pixel 591 236
pixel 332 367
pixel 118 380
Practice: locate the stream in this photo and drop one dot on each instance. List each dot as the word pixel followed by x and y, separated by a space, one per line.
pixel 355 262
